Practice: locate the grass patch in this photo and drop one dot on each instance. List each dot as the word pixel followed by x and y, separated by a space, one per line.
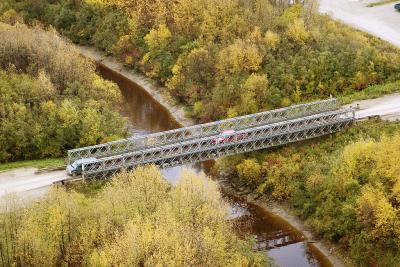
pixel 383 2
pixel 373 91
pixel 40 163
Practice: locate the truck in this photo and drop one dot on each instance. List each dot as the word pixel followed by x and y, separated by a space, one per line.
pixel 228 136
pixel 75 168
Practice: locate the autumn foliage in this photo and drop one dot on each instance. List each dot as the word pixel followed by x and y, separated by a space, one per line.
pixel 51 99
pixel 138 219
pixel 225 58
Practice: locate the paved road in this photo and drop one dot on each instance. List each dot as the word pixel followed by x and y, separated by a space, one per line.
pixel 382 21
pixel 26 183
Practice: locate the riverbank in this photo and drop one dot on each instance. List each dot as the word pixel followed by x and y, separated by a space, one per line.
pixel 328 251
pixel 176 111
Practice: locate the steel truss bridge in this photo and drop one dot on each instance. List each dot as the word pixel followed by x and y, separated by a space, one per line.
pixel 197 143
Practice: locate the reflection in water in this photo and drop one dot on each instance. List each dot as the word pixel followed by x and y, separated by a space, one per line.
pixel 268 236
pixel 293 255
pixel 173 174
pixel 284 244
pixel 144 114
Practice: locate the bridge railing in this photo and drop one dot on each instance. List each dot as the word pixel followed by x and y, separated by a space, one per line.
pixel 202 130
pixel 239 142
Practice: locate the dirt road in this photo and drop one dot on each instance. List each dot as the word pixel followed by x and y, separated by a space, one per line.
pixel 382 21
pixel 386 107
pixel 26 183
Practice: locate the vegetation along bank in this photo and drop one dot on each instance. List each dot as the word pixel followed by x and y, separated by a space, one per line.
pixel 343 186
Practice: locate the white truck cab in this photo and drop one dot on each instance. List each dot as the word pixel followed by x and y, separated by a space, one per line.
pixel 76 167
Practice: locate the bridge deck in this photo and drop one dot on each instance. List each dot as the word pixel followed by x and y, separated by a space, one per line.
pixel 205 148
pixel 202 130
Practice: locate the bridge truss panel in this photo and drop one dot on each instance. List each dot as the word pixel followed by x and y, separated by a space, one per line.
pixel 205 149
pixel 202 130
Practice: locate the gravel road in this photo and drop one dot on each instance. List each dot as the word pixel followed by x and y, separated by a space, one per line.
pixel 26 183
pixel 382 21
pixel 386 107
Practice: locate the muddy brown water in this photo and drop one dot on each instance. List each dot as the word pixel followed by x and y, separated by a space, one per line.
pixel 282 242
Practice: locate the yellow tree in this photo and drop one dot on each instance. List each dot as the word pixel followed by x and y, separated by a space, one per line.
pixel 297 31
pixel 188 16
pixel 239 57
pixel 249 170
pixel 376 214
pixel 254 93
pixel 157 62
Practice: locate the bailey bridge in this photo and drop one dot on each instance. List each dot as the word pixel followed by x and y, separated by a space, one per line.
pixel 197 143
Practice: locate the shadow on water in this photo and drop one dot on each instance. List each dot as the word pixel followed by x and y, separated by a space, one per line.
pixel 284 243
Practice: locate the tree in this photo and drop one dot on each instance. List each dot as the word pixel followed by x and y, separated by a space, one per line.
pixel 192 75
pixel 297 31
pixel 188 16
pixel 249 170
pixel 239 57
pixel 271 40
pixel 257 85
pixel 51 98
pixel 377 215
pixel 157 61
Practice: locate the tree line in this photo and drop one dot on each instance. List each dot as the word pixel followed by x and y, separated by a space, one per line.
pixel 225 58
pixel 51 98
pixel 138 219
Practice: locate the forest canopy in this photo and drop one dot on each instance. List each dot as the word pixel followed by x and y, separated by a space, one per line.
pixel 51 99
pixel 346 187
pixel 225 58
pixel 138 219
